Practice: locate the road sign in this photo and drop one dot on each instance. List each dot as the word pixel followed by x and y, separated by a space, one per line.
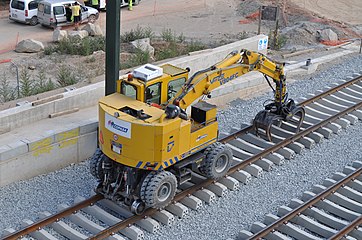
pixel 269 13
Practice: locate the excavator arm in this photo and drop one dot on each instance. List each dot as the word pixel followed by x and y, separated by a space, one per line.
pixel 236 64
pixel 233 66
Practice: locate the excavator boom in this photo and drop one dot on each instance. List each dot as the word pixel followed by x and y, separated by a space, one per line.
pixel 236 64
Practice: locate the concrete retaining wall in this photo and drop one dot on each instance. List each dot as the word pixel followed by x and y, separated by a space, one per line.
pixel 26 114
pixel 25 159
pixel 28 158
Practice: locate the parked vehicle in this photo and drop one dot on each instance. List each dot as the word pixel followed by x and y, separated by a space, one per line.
pixel 54 13
pixel 102 3
pixel 24 11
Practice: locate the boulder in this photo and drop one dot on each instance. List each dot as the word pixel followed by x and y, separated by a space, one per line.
pixel 144 45
pixel 29 46
pixel 327 35
pixel 59 35
pixel 93 29
pixel 78 34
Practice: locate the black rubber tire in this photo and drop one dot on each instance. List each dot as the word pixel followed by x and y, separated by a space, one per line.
pixel 158 189
pixel 33 21
pixel 96 164
pixel 217 161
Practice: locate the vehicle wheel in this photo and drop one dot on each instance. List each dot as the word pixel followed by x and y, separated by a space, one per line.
pixel 158 189
pixel 96 164
pixel 136 2
pixel 92 18
pixel 217 161
pixel 33 21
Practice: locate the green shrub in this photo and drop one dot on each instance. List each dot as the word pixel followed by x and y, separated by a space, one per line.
pixel 43 85
pixel 171 51
pixel 65 77
pixel 6 93
pixel 137 33
pixel 48 50
pixel 195 46
pixel 139 58
pixel 167 35
pixel 74 46
pixel 27 86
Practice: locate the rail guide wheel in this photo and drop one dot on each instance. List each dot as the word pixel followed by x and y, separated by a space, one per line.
pixel 217 161
pixel 158 189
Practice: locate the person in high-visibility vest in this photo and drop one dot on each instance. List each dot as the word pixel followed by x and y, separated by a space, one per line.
pixel 95 4
pixel 130 5
pixel 76 14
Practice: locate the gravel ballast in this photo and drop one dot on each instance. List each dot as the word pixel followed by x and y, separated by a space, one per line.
pixel 225 218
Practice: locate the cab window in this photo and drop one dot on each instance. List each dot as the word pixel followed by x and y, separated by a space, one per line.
pixel 47 9
pixel 33 5
pixel 58 10
pixel 174 86
pixel 41 7
pixel 18 5
pixel 153 93
pixel 129 90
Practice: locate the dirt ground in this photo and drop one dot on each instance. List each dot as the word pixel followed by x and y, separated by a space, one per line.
pixel 347 11
pixel 213 22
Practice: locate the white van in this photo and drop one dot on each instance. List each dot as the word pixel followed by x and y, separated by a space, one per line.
pixel 24 11
pixel 55 13
pixel 102 3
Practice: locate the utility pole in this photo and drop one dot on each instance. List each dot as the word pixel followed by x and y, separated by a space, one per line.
pixel 113 30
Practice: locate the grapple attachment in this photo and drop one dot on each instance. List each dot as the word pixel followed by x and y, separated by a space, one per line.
pixel 274 114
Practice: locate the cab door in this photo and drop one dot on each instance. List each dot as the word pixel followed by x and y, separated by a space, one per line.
pixel 84 13
pixel 44 14
pixel 59 14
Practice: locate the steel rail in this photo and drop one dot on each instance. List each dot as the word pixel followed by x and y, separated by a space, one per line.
pixel 53 218
pixel 301 104
pixel 330 91
pixel 127 222
pixel 187 192
pixel 319 197
pixel 347 229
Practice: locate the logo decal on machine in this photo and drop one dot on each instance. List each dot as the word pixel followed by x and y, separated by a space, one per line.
pixel 117 126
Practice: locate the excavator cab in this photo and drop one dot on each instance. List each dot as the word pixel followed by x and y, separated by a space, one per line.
pixel 152 84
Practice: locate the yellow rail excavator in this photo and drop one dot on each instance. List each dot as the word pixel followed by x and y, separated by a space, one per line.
pixel 149 144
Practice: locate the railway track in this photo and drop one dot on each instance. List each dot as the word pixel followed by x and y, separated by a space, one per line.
pixel 332 210
pixel 328 112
